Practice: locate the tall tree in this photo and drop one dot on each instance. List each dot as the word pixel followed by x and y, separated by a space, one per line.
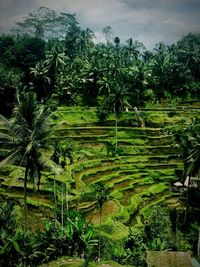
pixel 41 79
pixel 132 50
pixel 55 62
pixel 108 33
pixel 116 101
pixel 160 68
pixel 45 23
pixel 100 193
pixel 189 139
pixel 25 53
pixel 27 135
pixel 9 80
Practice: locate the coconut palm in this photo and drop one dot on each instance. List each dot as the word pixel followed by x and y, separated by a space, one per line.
pixel 62 151
pixel 190 144
pixel 91 74
pixel 132 50
pixel 55 59
pixel 41 79
pixel 108 33
pixel 116 101
pixel 55 62
pixel 190 141
pixel 193 158
pixel 100 193
pixel 26 135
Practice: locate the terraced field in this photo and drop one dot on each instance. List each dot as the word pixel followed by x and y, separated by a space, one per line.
pixel 139 176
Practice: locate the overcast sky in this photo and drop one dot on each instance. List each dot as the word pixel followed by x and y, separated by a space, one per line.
pixel 148 21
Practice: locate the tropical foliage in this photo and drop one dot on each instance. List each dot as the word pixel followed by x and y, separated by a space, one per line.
pixel 26 136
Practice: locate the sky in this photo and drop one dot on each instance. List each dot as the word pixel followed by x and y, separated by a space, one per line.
pixel 148 21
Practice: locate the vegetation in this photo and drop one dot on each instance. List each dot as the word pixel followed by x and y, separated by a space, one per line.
pixel 93 139
pixel 26 134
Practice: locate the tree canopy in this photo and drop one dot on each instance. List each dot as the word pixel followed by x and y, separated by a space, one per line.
pixel 63 62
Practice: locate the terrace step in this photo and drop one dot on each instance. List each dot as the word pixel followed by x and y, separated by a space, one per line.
pixel 138 178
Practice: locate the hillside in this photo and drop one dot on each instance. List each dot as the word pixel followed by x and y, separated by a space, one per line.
pixel 141 175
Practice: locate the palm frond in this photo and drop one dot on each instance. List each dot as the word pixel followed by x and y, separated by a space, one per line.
pixel 49 164
pixel 6 137
pixel 11 158
pixel 4 120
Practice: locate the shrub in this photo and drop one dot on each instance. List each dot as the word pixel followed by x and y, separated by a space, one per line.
pixel 158 229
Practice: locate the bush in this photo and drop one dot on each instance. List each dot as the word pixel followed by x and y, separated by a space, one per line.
pixel 17 246
pixel 135 248
pixel 158 225
pixel 112 249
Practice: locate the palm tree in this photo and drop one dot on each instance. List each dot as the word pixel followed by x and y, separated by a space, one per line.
pixel 55 59
pixel 190 141
pixel 160 67
pixel 84 41
pixel 27 135
pixel 40 75
pixel 190 144
pixel 132 50
pixel 108 33
pixel 193 158
pixel 91 73
pixel 100 193
pixel 62 152
pixel 116 101
pixel 55 62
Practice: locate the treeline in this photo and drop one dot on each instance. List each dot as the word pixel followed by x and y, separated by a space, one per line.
pixel 59 60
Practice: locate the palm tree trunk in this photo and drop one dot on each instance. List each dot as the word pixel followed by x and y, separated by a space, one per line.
pixel 54 193
pixel 198 246
pixel 67 196
pixel 54 190
pixel 38 206
pixel 138 115
pixel 25 208
pixel 100 214
pixel 187 200
pixel 46 94
pixel 25 196
pixel 67 191
pixel 116 135
pixel 62 208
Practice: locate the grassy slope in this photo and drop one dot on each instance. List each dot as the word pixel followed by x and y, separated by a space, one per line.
pixel 77 262
pixel 138 178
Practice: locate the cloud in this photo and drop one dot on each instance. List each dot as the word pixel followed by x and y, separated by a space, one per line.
pixel 172 5
pixel 147 21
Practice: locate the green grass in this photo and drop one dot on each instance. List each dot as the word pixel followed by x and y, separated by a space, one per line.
pixel 75 115
pixel 138 178
pixel 77 262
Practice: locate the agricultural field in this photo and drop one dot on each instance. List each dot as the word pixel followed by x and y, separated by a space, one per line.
pixel 140 175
